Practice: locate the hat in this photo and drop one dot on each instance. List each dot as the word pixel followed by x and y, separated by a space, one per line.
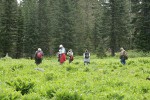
pixel 121 48
pixel 86 50
pixel 39 49
pixel 60 46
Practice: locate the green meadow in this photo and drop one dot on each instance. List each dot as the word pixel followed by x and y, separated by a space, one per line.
pixel 103 79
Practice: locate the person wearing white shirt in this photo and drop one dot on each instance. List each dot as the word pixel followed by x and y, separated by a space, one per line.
pixel 62 53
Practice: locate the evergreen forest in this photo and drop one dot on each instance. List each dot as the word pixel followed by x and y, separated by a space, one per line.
pixel 96 25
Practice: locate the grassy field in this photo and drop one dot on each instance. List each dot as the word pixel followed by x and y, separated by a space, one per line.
pixel 103 79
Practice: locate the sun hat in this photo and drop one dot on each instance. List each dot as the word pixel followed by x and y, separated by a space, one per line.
pixel 39 49
pixel 121 48
pixel 60 46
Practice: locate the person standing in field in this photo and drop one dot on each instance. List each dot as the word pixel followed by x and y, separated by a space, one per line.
pixel 86 56
pixel 70 54
pixel 123 56
pixel 38 56
pixel 62 54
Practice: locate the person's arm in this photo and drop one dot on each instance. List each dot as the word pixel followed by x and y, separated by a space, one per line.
pixel 68 53
pixel 60 51
pixel 63 50
pixel 121 53
pixel 35 54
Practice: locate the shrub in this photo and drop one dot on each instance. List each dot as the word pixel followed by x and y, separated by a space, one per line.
pixel 145 89
pixel 50 76
pixel 9 94
pixel 6 58
pixel 31 96
pixel 76 63
pixel 105 71
pixel 51 92
pixel 71 68
pixel 103 79
pixel 17 66
pixel 130 62
pixel 86 69
pixel 100 52
pixel 63 95
pixel 115 96
pixel 144 61
pixel 21 84
pixel 135 53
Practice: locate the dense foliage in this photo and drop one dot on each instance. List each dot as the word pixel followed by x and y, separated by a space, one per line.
pixel 141 23
pixel 101 26
pixel 97 25
pixel 103 79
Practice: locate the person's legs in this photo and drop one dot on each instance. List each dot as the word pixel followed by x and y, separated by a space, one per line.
pixel 85 62
pixel 62 58
pixel 123 61
pixel 69 60
pixel 36 61
pixel 39 61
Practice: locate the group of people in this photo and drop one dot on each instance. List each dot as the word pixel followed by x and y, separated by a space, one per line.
pixel 62 55
pixel 86 55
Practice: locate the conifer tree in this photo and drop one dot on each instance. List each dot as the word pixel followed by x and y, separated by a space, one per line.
pixel 102 29
pixel 65 31
pixel 43 26
pixel 8 27
pixel 1 10
pixel 30 26
pixel 20 35
pixel 52 13
pixel 111 26
pixel 84 25
pixel 141 22
pixel 119 25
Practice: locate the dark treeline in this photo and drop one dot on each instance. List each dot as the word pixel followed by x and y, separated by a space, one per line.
pixel 96 25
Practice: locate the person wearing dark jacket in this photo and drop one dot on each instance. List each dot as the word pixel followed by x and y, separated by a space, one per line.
pixel 86 56
pixel 38 56
pixel 70 54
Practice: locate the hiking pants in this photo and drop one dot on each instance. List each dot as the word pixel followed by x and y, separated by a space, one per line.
pixel 123 61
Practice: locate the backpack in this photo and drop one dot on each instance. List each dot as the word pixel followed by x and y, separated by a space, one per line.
pixel 86 55
pixel 39 55
pixel 125 55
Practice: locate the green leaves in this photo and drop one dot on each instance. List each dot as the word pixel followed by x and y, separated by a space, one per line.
pixel 70 95
pixel 22 84
pixel 8 26
pixel 141 24
pixel 101 79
